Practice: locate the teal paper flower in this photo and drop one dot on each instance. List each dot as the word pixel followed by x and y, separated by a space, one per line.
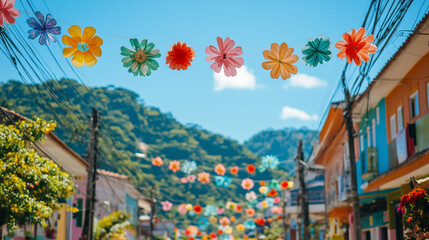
pixel 210 210
pixel 261 168
pixel 189 166
pixel 317 51
pixel 270 161
pixel 275 185
pixel 141 60
pixel 249 224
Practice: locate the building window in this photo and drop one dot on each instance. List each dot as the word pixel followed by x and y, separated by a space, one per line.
pixel 368 136
pixel 373 133
pixel 414 104
pixel 346 157
pixel 400 118
pixel 393 126
pixel 361 143
pixel 377 112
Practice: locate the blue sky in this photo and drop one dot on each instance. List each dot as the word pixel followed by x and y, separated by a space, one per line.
pixel 235 107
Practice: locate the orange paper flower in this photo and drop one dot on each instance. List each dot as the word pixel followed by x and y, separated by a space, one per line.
pixel 262 183
pixel 232 218
pixel 234 170
pixel 157 161
pixel 180 56
pixel 272 193
pixel 251 169
pixel 174 166
pixel 220 170
pixel 238 208
pixel 356 47
pixel 204 177
pixel 280 61
pixel 84 47
pixel 250 212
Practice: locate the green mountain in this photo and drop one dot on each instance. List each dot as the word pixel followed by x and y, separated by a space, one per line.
pixel 283 144
pixel 129 127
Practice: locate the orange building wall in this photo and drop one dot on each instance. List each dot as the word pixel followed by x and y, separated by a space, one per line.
pixel 415 79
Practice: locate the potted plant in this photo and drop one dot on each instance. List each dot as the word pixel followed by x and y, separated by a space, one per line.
pixel 414 207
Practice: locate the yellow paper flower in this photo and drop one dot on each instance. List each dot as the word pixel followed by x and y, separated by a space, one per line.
pixel 280 61
pixel 228 230
pixel 84 47
pixel 213 219
pixel 189 207
pixel 263 189
pixel 240 227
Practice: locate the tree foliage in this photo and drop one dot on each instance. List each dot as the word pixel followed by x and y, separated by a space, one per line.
pixel 113 226
pixel 30 185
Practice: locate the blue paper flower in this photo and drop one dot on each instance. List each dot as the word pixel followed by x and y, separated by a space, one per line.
pixel 317 51
pixel 270 161
pixel 249 224
pixel 189 166
pixel 222 181
pixel 210 210
pixel 203 223
pixel 45 27
pixel 269 201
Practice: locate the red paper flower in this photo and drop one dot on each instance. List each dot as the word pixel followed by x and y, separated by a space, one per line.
pixel 198 209
pixel 250 212
pixel 272 193
pixel 180 56
pixel 251 169
pixel 7 12
pixel 284 184
pixel 227 57
pixel 219 231
pixel 356 47
pixel 260 221
pixel 234 170
pixel 213 235
pixel 238 208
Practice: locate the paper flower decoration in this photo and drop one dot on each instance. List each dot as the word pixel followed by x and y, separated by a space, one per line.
pixel 191 213
pixel 189 207
pixel 247 183
pixel 249 224
pixel 277 210
pixel 180 56
pixel 7 12
pixel 280 61
pixel 251 169
pixel 275 184
pixel 232 218
pixel 261 168
pixel 227 56
pixel 182 209
pixel 356 47
pixel 43 27
pixel 272 193
pixel 174 166
pixel 210 210
pixel 224 221
pixel 222 181
pixel 166 205
pixel 220 169
pixel 220 210
pixel 270 161
pixel 277 200
pixel 234 170
pixel 264 204
pixel 241 227
pixel 250 212
pixel 203 223
pixel 184 180
pixel 238 208
pixel 228 230
pixel 260 221
pixel 316 51
pixel 157 161
pixel 262 183
pixel 189 166
pixel 198 209
pixel 84 46
pixel 191 178
pixel 204 177
pixel 263 189
pixel 140 60
pixel 269 201
pixel 284 184
pixel 250 196
pixel 213 219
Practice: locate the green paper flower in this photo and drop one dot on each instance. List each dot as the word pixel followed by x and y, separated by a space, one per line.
pixel 141 60
pixel 275 184
pixel 261 168
pixel 316 51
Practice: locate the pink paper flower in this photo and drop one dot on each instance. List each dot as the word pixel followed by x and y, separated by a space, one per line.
pixel 7 12
pixel 182 209
pixel 220 210
pixel 247 183
pixel 204 177
pixel 277 210
pixel 184 180
pixel 166 205
pixel 227 56
pixel 220 170
pixel 277 200
pixel 191 178
pixel 224 221
pixel 157 161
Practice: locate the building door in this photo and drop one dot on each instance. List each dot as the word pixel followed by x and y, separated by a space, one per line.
pixel 398 226
pixel 368 235
pixel 384 233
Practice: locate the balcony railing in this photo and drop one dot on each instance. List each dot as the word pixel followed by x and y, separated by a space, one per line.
pixel 371 169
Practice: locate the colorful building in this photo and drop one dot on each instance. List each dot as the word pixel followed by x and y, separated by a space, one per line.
pixel 393 135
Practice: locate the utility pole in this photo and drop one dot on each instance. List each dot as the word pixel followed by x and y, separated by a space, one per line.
pixel 305 220
pixel 153 210
pixel 91 178
pixel 353 178
pixel 284 215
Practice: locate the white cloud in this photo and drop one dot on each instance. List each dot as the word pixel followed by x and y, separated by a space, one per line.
pixel 289 112
pixel 243 80
pixel 304 81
